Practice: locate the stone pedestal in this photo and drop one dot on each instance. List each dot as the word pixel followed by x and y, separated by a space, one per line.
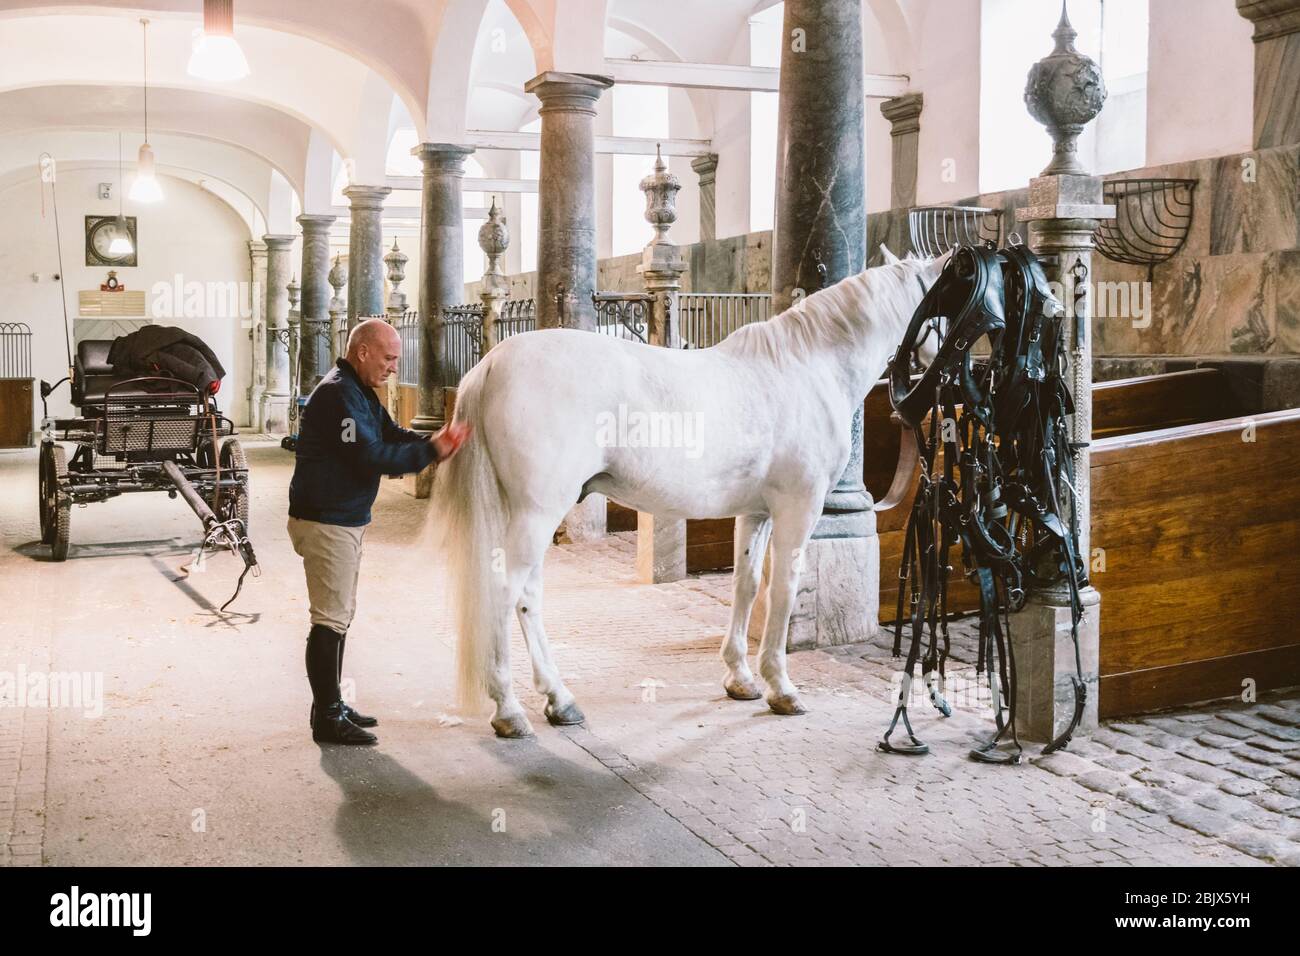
pixel 820 238
pixel 257 332
pixel 661 542
pixel 1063 212
pixel 314 312
pixel 566 229
pixel 365 251
pixel 279 272
pixel 1277 69
pixel 904 115
pixel 707 168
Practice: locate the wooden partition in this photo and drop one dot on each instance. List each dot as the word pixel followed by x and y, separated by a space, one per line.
pixel 1201 590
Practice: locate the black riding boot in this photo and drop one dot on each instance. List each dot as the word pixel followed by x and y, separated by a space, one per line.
pixel 329 722
pixel 361 720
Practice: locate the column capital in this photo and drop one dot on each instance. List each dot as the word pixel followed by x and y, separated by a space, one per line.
pixel 1065 196
pixel 1272 18
pixel 706 167
pixel 256 248
pixel 903 113
pixel 315 223
pixel 444 158
pixel 568 92
pixel 275 241
pixel 367 197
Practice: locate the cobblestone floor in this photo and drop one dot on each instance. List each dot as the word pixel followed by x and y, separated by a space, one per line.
pixel 203 712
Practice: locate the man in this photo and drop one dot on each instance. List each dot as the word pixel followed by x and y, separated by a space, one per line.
pixel 346 441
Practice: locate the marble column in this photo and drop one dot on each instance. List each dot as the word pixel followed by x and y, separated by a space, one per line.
pixel 1277 69
pixel 257 331
pixel 820 238
pixel 707 169
pixel 366 251
pixel 314 313
pixel 566 228
pixel 661 542
pixel 442 271
pixel 279 271
pixel 904 115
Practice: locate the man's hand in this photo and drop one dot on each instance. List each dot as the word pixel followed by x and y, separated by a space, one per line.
pixel 448 441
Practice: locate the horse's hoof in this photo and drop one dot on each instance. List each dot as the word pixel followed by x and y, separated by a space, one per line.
pixel 741 690
pixel 787 705
pixel 565 716
pixel 512 727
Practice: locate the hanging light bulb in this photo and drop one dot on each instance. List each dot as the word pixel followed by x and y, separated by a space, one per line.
pixel 216 55
pixel 146 188
pixel 121 244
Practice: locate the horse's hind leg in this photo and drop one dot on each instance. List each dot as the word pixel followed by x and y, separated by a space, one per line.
pixel 561 708
pixel 752 532
pixel 791 524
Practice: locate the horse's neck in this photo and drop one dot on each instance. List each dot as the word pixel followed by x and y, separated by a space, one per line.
pixel 855 343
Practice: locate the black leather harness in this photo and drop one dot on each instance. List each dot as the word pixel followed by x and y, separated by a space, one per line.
pixel 1004 487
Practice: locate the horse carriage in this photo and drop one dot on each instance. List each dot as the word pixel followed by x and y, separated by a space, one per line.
pixel 134 434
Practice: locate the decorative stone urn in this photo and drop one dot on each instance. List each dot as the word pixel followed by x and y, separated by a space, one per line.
pixel 660 188
pixel 1065 92
pixel 494 239
pixel 396 261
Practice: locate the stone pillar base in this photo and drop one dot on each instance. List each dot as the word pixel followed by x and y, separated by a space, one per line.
pixel 839 590
pixel 275 414
pixel 420 484
pixel 1044 655
pixel 660 549
pixel 255 408
pixel 585 521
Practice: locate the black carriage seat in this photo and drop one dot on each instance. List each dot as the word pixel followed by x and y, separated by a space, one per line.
pixel 93 376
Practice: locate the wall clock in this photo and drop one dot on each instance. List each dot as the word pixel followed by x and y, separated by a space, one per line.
pixel 100 232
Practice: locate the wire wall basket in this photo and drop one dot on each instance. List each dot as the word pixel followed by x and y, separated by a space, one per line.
pixel 1152 220
pixel 937 229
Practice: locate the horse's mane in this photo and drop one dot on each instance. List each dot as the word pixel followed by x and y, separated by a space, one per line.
pixel 835 318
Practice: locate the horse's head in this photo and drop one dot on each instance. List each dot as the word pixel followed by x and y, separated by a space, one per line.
pixel 918 275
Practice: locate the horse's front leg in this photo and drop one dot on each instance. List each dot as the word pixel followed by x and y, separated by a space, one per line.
pixel 752 533
pixel 792 522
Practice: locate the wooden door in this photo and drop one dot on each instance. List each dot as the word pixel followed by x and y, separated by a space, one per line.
pixel 15 412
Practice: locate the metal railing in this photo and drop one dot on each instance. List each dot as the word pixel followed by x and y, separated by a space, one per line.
pixel 624 315
pixel 706 318
pixel 408 330
pixel 462 340
pixel 15 350
pixel 517 315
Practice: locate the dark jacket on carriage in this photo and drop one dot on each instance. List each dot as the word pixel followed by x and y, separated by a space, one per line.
pixel 167 350
pixel 346 441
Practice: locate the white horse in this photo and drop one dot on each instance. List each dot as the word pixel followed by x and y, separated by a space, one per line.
pixel 770 406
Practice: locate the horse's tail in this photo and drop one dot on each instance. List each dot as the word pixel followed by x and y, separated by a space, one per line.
pixel 471 512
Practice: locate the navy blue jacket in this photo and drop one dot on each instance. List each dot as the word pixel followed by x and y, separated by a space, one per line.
pixel 346 440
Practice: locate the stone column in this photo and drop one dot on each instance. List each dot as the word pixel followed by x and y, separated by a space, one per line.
pixel 904 115
pixel 257 331
pixel 566 229
pixel 494 240
pixel 314 314
pixel 1065 207
pixel 1277 70
pixel 338 310
pixel 365 251
pixel 820 238
pixel 442 279
pixel 707 168
pixel 661 543
pixel 295 353
pixel 275 400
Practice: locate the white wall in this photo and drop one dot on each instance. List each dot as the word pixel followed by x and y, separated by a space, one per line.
pixel 948 73
pixel 191 233
pixel 1201 81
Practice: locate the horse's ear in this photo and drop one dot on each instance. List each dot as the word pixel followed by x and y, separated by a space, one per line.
pixel 889 257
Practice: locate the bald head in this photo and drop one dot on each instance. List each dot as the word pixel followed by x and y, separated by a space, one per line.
pixel 374 349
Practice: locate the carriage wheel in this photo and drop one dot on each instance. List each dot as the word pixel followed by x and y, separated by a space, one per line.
pixel 60 515
pixel 45 492
pixel 236 504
